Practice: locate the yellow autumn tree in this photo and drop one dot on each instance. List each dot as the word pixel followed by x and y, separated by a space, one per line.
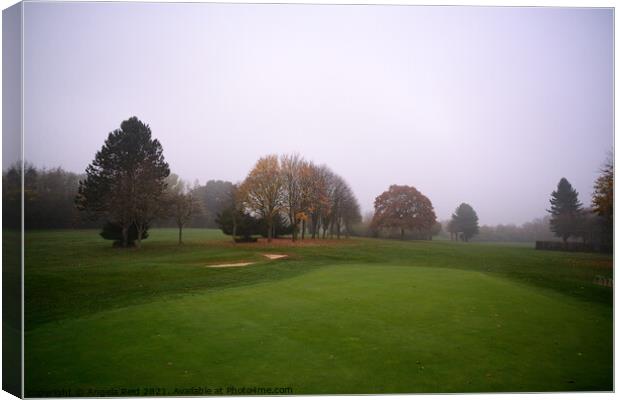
pixel 603 198
pixel 262 191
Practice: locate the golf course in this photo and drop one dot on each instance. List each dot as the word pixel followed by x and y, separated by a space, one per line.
pixel 357 315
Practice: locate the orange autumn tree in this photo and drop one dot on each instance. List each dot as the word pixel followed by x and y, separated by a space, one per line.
pixel 603 199
pixel 404 208
pixel 262 191
pixel 310 197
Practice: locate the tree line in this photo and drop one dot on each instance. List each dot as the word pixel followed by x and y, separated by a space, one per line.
pixel 403 211
pixel 531 231
pixel 593 224
pixel 289 191
pixel 49 196
pixel 50 199
pixel 129 187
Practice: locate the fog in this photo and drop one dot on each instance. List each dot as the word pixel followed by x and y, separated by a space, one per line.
pixel 489 106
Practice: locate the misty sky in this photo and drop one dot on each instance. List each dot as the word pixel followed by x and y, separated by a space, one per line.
pixel 489 106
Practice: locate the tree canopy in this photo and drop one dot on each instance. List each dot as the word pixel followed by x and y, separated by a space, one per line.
pixel 309 196
pixel 181 203
pixel 603 199
pixel 464 222
pixel 262 191
pixel 404 208
pixel 126 180
pixel 565 210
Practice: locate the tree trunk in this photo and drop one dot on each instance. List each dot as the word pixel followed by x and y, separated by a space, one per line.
pixel 303 229
pixel 139 239
pixel 180 234
pixel 294 225
pixel 234 230
pixel 269 230
pixel 402 233
pixel 125 231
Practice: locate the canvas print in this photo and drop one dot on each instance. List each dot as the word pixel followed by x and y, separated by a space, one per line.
pixel 205 199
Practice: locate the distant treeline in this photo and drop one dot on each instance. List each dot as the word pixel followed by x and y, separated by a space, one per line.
pixel 49 196
pixel 49 200
pixel 128 188
pixel 537 229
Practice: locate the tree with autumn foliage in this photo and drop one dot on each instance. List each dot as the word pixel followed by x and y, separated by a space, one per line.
pixel 262 191
pixel 344 208
pixel 291 170
pixel 319 181
pixel 603 199
pixel 404 208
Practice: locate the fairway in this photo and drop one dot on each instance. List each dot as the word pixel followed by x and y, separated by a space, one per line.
pixel 354 316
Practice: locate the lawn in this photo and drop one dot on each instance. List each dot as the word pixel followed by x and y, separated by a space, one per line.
pixel 349 316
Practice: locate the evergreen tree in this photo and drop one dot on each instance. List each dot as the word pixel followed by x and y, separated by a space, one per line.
pixel 125 182
pixel 565 210
pixel 465 221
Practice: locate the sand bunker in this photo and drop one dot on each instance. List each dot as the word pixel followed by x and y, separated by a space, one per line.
pixel 275 256
pixel 242 264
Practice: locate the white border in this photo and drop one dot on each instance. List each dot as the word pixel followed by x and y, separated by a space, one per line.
pixel 506 3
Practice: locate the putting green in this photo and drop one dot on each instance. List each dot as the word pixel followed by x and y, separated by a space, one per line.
pixel 339 329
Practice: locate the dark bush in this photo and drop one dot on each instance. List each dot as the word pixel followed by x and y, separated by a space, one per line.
pixel 574 246
pixel 246 224
pixel 113 231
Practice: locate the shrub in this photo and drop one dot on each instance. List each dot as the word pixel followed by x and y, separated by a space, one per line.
pixel 113 231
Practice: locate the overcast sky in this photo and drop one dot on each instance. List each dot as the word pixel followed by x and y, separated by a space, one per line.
pixel 489 106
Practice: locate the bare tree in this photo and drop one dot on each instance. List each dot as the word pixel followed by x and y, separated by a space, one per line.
pixel 182 204
pixel 344 208
pixel 236 207
pixel 291 169
pixel 317 196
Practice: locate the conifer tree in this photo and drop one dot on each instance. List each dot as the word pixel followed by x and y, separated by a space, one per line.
pixel 565 210
pixel 126 181
pixel 465 221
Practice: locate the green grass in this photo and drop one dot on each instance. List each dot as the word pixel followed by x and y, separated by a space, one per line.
pixel 355 316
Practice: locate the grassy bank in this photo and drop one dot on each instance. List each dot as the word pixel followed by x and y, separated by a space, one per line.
pixel 349 316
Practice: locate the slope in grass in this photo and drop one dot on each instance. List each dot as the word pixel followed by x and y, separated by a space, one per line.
pixel 76 273
pixel 344 328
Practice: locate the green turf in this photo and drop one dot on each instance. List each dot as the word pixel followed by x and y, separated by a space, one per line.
pixel 356 316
